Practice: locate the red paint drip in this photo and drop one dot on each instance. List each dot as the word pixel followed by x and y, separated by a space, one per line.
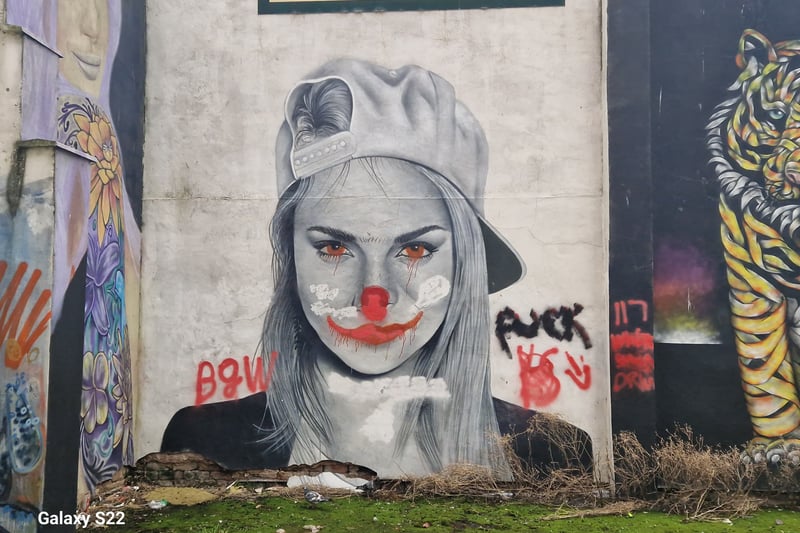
pixel 373 303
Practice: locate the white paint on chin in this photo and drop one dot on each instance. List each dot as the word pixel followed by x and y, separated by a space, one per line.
pixel 386 393
pixel 431 291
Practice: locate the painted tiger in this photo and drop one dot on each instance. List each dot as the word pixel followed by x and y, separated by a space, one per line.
pixel 754 144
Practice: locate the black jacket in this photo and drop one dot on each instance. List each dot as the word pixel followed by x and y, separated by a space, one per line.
pixel 233 433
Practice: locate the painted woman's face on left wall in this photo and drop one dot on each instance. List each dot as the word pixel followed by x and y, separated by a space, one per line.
pixel 82 36
pixel 374 264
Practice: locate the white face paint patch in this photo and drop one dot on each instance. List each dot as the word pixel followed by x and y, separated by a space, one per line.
pixel 322 292
pixel 386 393
pixel 431 291
pixel 320 309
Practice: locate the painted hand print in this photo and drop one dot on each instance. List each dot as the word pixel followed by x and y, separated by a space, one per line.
pixel 18 343
pixel 753 141
pixel 383 264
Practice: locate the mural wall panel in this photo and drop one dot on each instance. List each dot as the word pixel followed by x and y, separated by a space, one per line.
pixel 722 111
pixel 374 249
pixel 71 84
pixel 26 266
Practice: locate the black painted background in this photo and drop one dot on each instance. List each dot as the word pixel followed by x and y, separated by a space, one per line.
pixel 127 99
pixel 630 192
pixel 692 45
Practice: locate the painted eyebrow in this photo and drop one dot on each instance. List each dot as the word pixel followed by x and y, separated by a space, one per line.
pixel 411 235
pixel 335 233
pixel 349 237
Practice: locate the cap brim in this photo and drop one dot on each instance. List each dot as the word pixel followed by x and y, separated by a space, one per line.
pixel 504 266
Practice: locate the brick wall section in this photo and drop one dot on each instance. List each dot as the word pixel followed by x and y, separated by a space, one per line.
pixel 185 469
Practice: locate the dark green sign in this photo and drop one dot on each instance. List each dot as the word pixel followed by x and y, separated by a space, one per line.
pixel 266 7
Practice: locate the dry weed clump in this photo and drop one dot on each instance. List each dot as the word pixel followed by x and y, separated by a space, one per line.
pixel 679 475
pixel 453 480
pixel 700 482
pixel 568 479
pixel 634 467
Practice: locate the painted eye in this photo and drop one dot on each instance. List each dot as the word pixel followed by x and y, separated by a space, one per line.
pixel 332 249
pixel 416 251
pixel 776 114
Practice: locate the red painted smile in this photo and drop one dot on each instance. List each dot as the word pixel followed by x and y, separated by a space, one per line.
pixel 374 334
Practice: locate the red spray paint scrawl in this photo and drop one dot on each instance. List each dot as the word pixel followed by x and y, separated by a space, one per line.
pixel 633 361
pixel 632 350
pixel 228 374
pixel 581 375
pixel 540 386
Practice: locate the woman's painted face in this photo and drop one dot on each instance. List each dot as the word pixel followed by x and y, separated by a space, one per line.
pixel 82 36
pixel 374 263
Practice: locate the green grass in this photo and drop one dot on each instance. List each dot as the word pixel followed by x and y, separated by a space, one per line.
pixel 364 515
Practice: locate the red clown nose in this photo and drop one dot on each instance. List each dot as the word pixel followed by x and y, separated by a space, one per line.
pixel 373 303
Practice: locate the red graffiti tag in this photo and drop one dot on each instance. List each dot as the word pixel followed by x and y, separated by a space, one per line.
pixel 540 386
pixel 633 361
pixel 229 376
pixel 581 375
pixel 621 311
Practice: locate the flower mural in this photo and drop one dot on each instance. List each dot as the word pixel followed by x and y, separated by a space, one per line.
pixel 94 102
pixel 94 398
pixel 101 262
pixel 106 401
pixel 91 132
pixel 122 394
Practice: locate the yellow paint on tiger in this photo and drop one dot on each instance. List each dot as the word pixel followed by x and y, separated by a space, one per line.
pixel 756 131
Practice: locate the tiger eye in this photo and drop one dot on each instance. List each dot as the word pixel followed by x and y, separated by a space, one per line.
pixel 776 114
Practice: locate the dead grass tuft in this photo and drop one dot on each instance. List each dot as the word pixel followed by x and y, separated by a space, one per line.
pixel 702 482
pixel 634 467
pixel 453 480
pixel 569 480
pixel 680 475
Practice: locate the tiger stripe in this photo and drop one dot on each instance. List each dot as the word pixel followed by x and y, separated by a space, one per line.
pixel 758 315
pixel 754 146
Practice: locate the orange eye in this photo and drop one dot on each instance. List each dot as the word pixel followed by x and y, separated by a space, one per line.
pixel 415 251
pixel 333 250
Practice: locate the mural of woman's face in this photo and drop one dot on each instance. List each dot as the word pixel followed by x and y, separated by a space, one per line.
pixel 82 36
pixel 374 259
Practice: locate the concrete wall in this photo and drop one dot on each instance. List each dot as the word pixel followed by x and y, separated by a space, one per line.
pixel 218 78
